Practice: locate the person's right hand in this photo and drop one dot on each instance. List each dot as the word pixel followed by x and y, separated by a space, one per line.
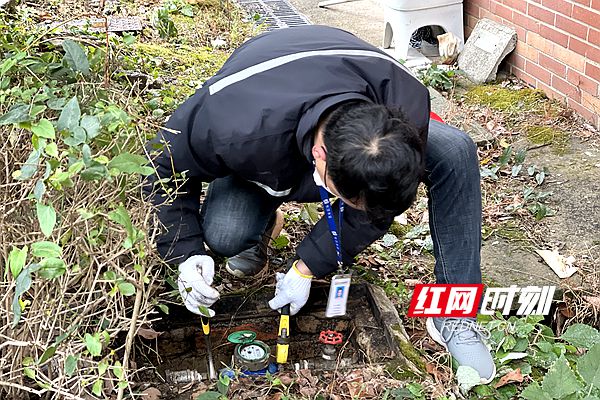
pixel 195 277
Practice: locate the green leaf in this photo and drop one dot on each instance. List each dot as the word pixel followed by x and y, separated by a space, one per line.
pixel 97 388
pixel 70 365
pixel 91 124
pixel 94 173
pixel 121 217
pixel 51 149
pixel 581 335
pixel 17 113
pixel 164 308
pixel 22 284
pixel 467 377
pixel 102 367
pixel 39 189
pixel 210 395
pixel 560 381
pixel 130 164
pixel 29 372
pixel 118 369
pixel 47 354
pixel 76 57
pixel 52 268
pixel 69 117
pixel 76 138
pixel 16 260
pixel 30 167
pixel 589 366
pixel 47 218
pixel 7 65
pixel 280 242
pixel 534 392
pixel 509 342
pixel 46 249
pixel 44 129
pixel 93 344
pixel 126 288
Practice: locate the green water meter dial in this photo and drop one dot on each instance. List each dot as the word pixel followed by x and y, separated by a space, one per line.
pixel 249 353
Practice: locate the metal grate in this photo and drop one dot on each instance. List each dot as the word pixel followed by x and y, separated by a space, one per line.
pixel 274 14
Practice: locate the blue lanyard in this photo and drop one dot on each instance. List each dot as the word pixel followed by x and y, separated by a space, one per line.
pixel 337 237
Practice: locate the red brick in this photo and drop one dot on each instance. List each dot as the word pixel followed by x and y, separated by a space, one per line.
pixel 561 6
pixel 481 3
pixel 501 11
pixel 527 51
pixel 584 112
pixel 552 65
pixel 592 71
pixel 471 9
pixel 566 88
pixel 581 81
pixel 540 13
pixel 594 36
pixel 593 53
pixel 591 102
pixel 524 76
pixel 578 46
pixel 471 21
pixel 584 2
pixel 586 16
pixel 538 72
pixel 596 5
pixel 551 93
pixel 540 43
pixel 569 57
pixel 571 26
pixel 516 60
pixel 526 22
pixel 519 5
pixel 552 34
pixel 468 31
pixel 485 13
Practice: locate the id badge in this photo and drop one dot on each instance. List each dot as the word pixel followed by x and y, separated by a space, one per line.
pixel 338 295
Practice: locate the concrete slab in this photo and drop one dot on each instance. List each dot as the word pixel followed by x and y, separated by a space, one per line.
pixel 364 18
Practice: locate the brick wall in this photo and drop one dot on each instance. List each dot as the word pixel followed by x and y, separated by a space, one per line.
pixel 558 49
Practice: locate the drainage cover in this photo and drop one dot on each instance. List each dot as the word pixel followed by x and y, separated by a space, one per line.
pixel 274 14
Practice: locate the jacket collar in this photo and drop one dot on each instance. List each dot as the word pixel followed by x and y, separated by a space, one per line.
pixel 310 118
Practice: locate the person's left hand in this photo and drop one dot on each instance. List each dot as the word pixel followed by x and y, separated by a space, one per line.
pixel 292 288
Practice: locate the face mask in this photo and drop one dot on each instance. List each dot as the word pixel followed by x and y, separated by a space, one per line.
pixel 319 181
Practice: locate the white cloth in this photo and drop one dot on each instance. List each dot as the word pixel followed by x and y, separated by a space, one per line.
pixel 196 276
pixel 292 289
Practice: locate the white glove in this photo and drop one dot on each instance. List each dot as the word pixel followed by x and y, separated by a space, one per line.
pixel 195 277
pixel 292 288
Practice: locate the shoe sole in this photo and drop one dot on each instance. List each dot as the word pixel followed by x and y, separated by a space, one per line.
pixel 437 337
pixel 236 272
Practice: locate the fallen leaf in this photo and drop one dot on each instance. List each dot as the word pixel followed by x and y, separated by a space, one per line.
pixel 285 379
pixel 412 282
pixel 593 300
pixel 148 333
pixel 151 394
pixel 402 219
pixel 560 265
pixel 512 376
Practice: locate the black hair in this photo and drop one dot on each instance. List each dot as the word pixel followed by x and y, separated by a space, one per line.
pixel 375 157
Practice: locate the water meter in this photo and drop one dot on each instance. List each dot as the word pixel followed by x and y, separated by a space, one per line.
pixel 249 354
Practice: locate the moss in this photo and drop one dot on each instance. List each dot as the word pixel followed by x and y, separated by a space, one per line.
pixel 508 100
pixel 408 350
pixel 511 232
pixel 544 135
pixel 399 229
pixel 399 371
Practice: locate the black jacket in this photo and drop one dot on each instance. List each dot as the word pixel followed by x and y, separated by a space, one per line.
pixel 256 119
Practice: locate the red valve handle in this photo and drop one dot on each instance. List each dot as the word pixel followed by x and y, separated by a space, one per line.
pixel 330 337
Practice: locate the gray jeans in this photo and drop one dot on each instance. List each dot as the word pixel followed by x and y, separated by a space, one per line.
pixel 236 213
